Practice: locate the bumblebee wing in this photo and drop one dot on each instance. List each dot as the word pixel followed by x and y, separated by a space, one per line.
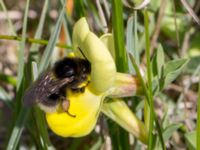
pixel 56 85
pixel 31 97
pixel 34 94
pixel 44 87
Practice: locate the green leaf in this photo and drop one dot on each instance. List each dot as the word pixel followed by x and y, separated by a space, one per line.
pixel 170 130
pixel 192 65
pixel 17 130
pixel 132 40
pixel 167 133
pixel 20 115
pixel 157 67
pixel 79 8
pixel 119 139
pixel 191 140
pixel 171 71
pixel 39 115
pixel 118 31
pixel 158 61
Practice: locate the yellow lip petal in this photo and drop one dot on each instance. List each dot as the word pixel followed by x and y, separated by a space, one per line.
pixel 86 108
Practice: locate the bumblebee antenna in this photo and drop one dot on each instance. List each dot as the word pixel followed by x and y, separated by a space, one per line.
pixel 82 53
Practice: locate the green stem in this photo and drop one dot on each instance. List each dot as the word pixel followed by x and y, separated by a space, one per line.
pixel 32 40
pixel 139 75
pixel 150 92
pixel 149 76
pixel 198 120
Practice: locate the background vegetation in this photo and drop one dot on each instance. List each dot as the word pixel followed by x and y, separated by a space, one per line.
pixel 162 40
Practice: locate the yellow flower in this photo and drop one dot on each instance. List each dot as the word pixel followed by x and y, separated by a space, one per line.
pixel 104 82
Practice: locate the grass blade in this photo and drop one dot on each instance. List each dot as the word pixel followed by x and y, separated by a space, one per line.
pixel 52 42
pixel 118 31
pixel 19 115
pixel 17 130
pixel 22 48
pixel 34 47
pixel 39 116
pixel 120 140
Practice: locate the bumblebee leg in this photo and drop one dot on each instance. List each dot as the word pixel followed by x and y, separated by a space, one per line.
pixel 65 106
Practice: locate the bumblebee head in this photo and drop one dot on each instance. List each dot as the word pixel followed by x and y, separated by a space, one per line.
pixel 68 67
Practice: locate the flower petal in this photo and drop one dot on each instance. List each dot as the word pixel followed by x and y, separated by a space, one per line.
pixel 108 41
pixel 80 31
pixel 118 111
pixel 103 68
pixel 85 106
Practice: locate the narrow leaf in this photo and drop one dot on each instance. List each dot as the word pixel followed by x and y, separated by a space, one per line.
pixel 34 47
pixel 167 133
pixel 160 60
pixel 52 42
pixel 118 30
pixel 19 114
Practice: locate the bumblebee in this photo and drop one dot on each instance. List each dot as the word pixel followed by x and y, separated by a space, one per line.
pixel 49 91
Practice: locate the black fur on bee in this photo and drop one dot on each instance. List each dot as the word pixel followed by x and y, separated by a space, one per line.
pixel 50 88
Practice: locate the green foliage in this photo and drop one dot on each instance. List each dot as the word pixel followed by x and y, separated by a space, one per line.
pixel 158 62
pixel 120 140
pixel 174 57
pixel 165 73
pixel 171 70
pixel 191 140
pixel 167 133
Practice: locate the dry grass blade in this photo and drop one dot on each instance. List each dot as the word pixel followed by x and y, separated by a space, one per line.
pixel 190 11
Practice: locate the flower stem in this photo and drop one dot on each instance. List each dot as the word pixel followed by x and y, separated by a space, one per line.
pixel 32 40
pixel 150 92
pixel 149 82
